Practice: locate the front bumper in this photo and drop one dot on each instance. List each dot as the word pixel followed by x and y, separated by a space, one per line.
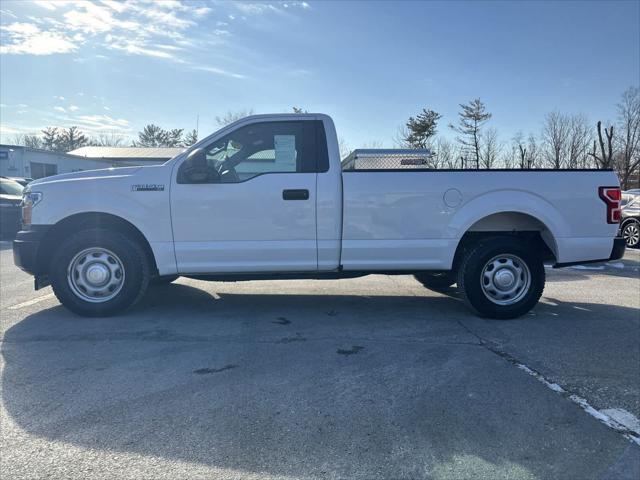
pixel 26 248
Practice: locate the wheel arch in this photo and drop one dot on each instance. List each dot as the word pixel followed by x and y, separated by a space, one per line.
pixel 88 220
pixel 624 221
pixel 512 223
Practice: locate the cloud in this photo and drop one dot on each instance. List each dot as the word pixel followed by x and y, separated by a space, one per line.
pixel 258 8
pixel 27 38
pixel 168 30
pixel 93 123
pixel 10 130
pixel 48 4
pixel 254 8
pixel 136 46
pixel 217 71
pixel 60 109
pixel 115 5
pixel 202 11
pixel 93 19
pixel 73 108
pixel 299 72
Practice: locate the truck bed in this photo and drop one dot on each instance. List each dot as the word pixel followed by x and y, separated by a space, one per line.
pixel 397 218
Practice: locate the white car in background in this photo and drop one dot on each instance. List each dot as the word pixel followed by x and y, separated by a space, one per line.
pixel 630 218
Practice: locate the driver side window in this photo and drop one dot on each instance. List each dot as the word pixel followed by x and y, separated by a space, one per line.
pixel 257 149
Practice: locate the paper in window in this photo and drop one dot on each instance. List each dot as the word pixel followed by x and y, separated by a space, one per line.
pixel 285 148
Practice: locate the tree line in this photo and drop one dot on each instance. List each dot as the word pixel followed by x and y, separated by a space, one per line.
pixel 565 140
pixel 67 139
pixel 64 140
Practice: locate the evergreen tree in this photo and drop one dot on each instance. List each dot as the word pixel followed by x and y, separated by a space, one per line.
pixel 422 128
pixel 190 138
pixel 50 138
pixel 471 119
pixel 151 136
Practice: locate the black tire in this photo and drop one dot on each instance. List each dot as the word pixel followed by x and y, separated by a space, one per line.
pixel 470 277
pixel 631 237
pixel 436 281
pixel 131 255
pixel 164 279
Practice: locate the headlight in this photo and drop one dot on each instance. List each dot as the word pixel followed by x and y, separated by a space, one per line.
pixel 29 200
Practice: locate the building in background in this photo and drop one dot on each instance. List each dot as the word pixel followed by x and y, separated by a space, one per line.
pixel 17 161
pixel 128 156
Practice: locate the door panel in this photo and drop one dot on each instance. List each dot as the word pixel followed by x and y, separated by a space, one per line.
pixel 246 226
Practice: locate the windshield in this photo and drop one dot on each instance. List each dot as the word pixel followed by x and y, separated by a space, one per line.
pixel 9 187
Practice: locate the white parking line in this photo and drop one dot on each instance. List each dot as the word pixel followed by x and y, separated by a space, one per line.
pixel 31 302
pixel 629 429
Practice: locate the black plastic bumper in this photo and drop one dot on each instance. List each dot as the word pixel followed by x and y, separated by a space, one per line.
pixel 619 246
pixel 25 248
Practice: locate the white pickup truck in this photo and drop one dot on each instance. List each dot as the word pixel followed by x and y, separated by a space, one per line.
pixel 267 197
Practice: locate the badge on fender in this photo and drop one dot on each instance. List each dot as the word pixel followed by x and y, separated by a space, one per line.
pixel 148 187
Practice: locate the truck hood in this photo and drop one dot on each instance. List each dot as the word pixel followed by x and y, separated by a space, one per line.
pixel 86 175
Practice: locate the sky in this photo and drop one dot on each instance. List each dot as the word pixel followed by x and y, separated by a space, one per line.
pixel 113 67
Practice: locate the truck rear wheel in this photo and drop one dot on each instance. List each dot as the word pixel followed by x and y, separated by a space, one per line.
pixel 98 273
pixel 501 278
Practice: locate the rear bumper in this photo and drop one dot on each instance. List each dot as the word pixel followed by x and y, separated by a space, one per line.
pixel 26 247
pixel 617 252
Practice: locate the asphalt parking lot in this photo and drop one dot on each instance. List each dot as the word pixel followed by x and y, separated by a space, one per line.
pixel 366 378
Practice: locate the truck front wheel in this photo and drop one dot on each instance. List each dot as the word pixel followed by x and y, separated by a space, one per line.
pixel 501 277
pixel 98 273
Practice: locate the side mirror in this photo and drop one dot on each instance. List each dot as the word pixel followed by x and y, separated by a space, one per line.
pixel 195 169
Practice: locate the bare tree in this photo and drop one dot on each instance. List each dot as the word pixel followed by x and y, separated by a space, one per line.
pixel 578 139
pixel 518 151
pixel 445 154
pixel 555 136
pixel 400 137
pixel 532 157
pixel 628 138
pixel 373 144
pixel 490 148
pixel 108 140
pixel 27 140
pixel 231 117
pixel 471 119
pixel 344 148
pixel 605 158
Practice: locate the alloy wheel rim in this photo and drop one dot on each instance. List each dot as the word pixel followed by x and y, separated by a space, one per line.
pixel 505 279
pixel 96 275
pixel 631 234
